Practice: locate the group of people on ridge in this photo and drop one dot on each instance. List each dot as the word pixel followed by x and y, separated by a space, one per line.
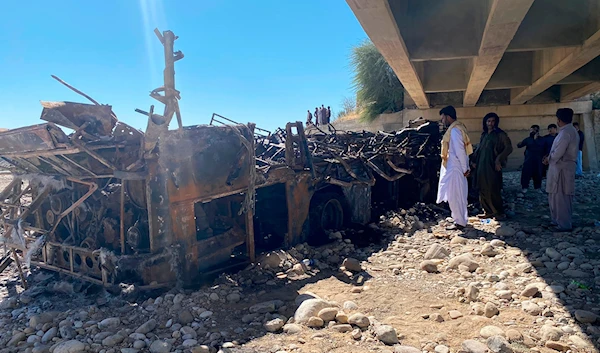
pixel 322 116
pixel 485 164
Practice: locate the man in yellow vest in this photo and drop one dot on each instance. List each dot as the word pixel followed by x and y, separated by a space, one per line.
pixel 453 186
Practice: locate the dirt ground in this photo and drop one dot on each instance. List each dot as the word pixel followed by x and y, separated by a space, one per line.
pixel 391 289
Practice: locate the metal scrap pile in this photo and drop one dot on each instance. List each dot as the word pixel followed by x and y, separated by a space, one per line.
pixel 67 191
pixel 346 158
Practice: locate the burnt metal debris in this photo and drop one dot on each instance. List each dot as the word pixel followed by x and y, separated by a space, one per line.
pixel 108 203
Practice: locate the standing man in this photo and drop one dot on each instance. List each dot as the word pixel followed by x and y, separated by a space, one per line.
pixel 579 171
pixel 317 117
pixel 488 161
pixel 328 117
pixel 309 118
pixel 547 142
pixel 532 165
pixel 453 185
pixel 320 117
pixel 562 163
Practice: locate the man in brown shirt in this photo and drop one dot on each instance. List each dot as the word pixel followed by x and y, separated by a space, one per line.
pixel 562 163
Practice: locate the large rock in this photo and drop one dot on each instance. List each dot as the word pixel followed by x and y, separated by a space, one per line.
pixel 274 325
pixel 109 323
pixel 579 342
pixel 146 327
pixel 505 231
pixel 342 328
pixel 292 328
pixel 513 335
pixel 557 346
pixel 359 320
pixel 160 347
pixel 464 260
pixel 531 308
pixel 472 293
pixel 490 310
pixel 472 346
pixel 386 334
pixel 429 266
pixel 550 333
pixel 352 264
pixel 328 314
pixel 67 332
pixel 185 317
pixel 72 346
pixel 41 319
pixel 530 290
pixel 524 267
pixel 112 340
pixel 585 317
pixel 553 254
pixel 458 240
pixel 16 338
pixel 350 305
pixel 488 250
pixel 315 322
pixel 489 331
pixel 310 308
pixel 49 335
pixel 341 317
pixel 190 342
pixel 499 344
pixel 436 251
pixel 9 303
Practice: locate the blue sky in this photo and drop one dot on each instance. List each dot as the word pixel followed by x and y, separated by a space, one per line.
pixel 265 61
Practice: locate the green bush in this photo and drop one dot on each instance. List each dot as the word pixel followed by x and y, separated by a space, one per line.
pixel 378 88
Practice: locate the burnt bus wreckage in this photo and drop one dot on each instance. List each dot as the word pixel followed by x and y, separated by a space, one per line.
pixel 109 203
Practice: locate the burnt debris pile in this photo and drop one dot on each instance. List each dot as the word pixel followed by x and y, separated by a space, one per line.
pixel 346 158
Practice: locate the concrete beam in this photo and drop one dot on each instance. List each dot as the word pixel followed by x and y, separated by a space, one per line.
pixel 378 22
pixel 573 61
pixel 571 92
pixel 504 19
pixel 528 110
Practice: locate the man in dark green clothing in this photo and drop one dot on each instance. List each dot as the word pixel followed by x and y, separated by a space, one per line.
pixel 488 161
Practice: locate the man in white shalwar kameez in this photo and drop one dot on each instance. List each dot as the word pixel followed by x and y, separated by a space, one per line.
pixel 453 185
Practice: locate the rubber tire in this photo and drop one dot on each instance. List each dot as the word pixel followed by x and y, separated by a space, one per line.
pixel 327 213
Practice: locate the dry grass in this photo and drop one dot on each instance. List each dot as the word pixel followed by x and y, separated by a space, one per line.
pixel 352 116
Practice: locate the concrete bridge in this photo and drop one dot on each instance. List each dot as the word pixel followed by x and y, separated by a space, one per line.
pixel 513 56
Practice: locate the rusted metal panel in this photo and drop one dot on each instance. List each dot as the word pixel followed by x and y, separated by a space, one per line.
pixel 204 160
pixel 99 118
pixel 359 200
pixel 299 191
pixel 28 139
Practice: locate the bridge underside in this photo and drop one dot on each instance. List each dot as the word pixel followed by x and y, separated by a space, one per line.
pixel 487 52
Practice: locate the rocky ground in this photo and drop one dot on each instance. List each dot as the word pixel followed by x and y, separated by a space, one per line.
pixel 509 287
